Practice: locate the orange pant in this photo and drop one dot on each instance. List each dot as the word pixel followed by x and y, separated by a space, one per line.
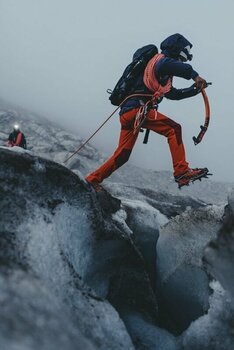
pixel 155 121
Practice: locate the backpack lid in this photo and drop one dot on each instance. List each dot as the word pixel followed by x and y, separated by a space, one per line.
pixel 137 55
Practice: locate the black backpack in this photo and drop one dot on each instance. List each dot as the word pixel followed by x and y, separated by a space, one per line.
pixel 128 81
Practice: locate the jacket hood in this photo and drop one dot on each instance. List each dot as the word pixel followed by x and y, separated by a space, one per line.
pixel 174 44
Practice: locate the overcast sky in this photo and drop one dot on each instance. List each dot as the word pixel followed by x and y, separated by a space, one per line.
pixel 58 57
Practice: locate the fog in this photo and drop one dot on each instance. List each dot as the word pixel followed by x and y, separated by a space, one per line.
pixel 58 58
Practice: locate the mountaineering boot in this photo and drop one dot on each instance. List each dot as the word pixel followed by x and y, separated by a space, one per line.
pixel 191 175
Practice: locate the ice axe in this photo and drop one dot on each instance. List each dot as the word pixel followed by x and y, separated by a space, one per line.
pixel 204 127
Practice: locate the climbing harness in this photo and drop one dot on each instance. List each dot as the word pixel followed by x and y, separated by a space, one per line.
pixel 204 127
pixel 83 144
pixel 140 117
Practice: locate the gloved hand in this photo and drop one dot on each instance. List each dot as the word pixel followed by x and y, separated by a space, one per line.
pixel 200 83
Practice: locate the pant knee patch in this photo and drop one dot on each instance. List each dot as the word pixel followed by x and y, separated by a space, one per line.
pixel 122 157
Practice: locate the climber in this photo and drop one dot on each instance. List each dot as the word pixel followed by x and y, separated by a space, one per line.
pixel 16 138
pixel 157 80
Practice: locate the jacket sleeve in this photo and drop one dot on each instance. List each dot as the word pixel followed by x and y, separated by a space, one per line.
pixel 167 67
pixel 10 141
pixel 24 142
pixel 11 137
pixel 180 94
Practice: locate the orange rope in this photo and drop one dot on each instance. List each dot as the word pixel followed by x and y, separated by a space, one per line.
pixel 140 117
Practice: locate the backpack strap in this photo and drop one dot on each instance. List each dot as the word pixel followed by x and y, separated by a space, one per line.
pixel 146 137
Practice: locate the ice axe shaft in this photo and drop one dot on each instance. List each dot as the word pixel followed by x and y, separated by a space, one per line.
pixel 204 127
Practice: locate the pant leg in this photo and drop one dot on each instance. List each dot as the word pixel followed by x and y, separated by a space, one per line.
pixel 122 153
pixel 167 127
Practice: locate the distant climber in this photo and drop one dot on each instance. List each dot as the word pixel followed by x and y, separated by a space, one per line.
pixel 17 138
pixel 157 81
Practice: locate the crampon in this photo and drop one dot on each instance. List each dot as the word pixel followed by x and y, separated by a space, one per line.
pixel 191 175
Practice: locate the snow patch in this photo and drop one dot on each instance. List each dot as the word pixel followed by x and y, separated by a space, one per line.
pixel 146 213
pixel 120 218
pixel 17 149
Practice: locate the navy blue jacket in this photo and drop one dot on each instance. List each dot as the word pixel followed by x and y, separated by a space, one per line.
pixel 165 68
